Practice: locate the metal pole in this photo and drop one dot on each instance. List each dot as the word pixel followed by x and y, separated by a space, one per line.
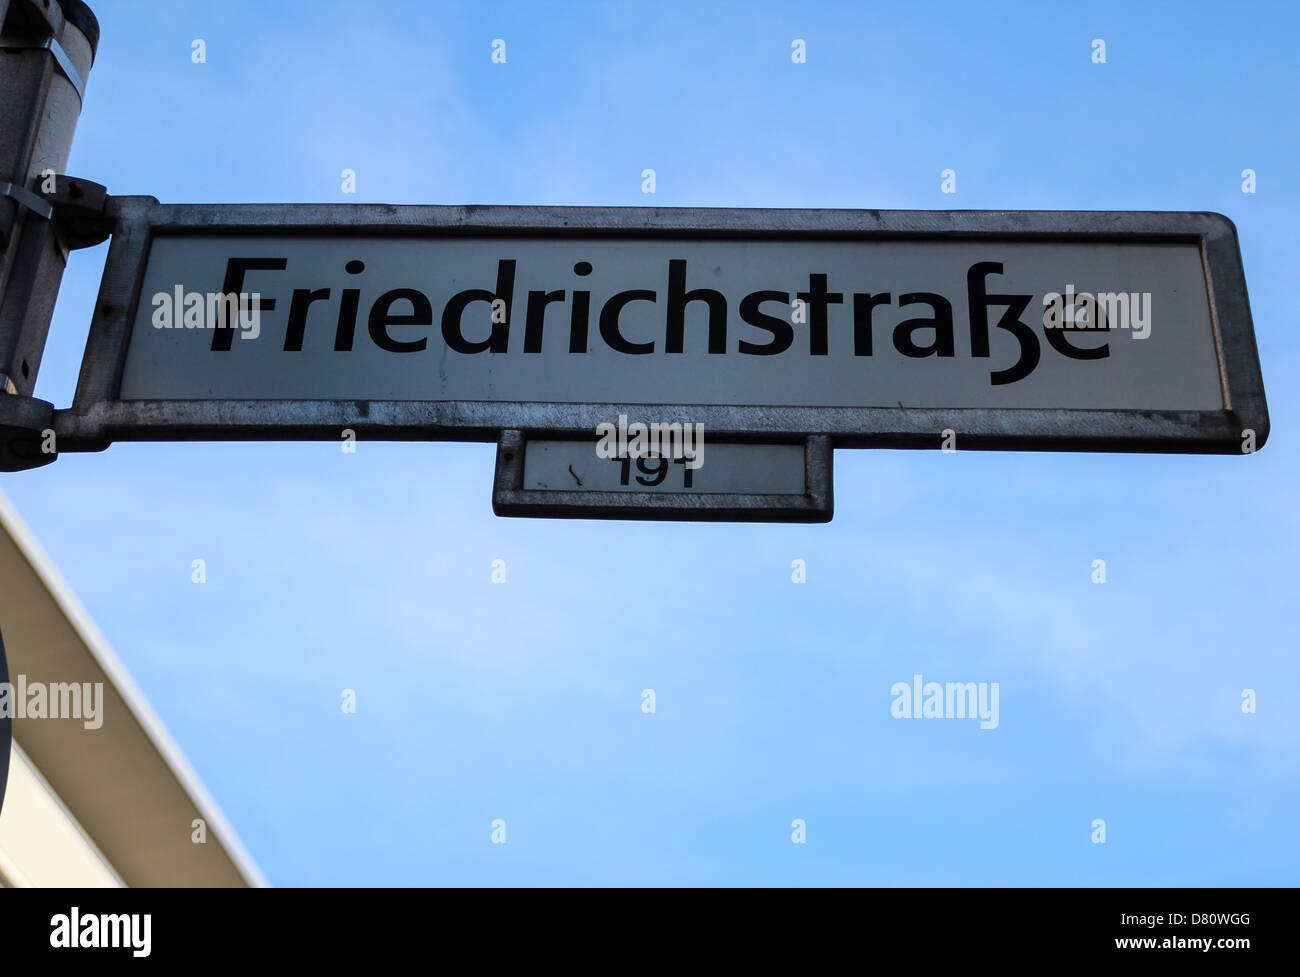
pixel 46 51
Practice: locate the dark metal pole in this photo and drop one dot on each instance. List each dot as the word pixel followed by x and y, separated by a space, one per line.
pixel 46 51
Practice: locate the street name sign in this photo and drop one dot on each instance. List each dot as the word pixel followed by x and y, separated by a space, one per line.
pixel 1125 331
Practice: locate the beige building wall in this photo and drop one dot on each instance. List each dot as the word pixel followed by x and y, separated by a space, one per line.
pixel 95 807
pixel 41 843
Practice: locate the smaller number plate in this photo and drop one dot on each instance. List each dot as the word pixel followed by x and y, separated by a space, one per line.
pixel 732 481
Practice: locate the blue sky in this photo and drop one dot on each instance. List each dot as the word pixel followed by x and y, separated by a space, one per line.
pixel 521 700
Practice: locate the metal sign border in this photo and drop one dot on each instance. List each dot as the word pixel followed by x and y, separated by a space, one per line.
pixel 97 418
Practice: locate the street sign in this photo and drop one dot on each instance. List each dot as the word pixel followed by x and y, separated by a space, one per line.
pixel 872 327
pixel 904 329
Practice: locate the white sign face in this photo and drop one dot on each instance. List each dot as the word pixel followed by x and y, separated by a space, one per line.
pixel 752 469
pixel 872 323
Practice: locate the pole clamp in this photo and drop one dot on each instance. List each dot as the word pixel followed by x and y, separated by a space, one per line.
pixel 75 208
pixel 61 59
pixel 34 202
